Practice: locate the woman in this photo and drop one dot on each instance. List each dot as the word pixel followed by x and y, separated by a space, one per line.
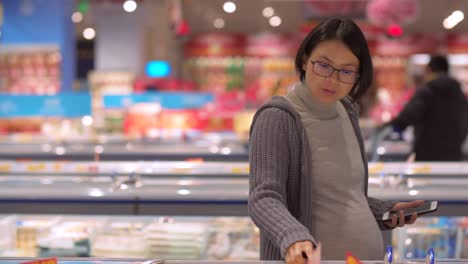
pixel 308 179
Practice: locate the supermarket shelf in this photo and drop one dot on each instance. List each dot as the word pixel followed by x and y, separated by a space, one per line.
pixel 399 151
pixel 108 168
pixel 229 150
pixel 196 188
pixel 127 151
pixel 199 168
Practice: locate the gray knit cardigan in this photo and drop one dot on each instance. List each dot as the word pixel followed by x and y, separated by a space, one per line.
pixel 279 186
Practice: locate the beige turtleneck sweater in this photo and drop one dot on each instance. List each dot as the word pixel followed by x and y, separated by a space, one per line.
pixel 342 219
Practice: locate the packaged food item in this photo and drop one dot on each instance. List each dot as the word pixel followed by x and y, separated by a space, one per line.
pixel 233 238
pixel 69 238
pixel 123 239
pixel 176 240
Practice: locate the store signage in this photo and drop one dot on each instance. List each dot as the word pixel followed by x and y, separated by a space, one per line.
pixel 158 69
pixel 61 105
pixel 164 99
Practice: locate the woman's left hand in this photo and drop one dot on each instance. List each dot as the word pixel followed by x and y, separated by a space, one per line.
pixel 398 219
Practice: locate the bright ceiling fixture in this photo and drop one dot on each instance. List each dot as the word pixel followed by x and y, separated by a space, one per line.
pixel 268 11
pixel 219 23
pixel 229 7
pixel 89 33
pixel 130 6
pixel 452 20
pixel 275 21
pixel 77 17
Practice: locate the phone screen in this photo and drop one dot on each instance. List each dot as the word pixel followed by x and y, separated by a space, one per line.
pixel 420 209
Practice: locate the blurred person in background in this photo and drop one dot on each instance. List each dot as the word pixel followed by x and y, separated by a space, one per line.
pixel 438 111
pixel 308 168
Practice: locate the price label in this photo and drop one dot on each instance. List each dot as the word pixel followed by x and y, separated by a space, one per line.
pixel 182 170
pixel 376 168
pixel 240 170
pixel 42 261
pixel 422 169
pixel 5 167
pixel 81 168
pixel 57 167
pixel 24 138
pixel 36 167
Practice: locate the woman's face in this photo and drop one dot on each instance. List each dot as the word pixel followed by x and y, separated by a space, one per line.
pixel 336 54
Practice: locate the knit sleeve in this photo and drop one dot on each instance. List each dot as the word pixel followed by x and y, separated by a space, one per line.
pixel 378 208
pixel 269 162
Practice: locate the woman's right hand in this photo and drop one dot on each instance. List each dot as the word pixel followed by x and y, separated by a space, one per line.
pixel 298 251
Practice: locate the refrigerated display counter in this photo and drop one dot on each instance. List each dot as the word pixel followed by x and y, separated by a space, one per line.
pixel 214 148
pixel 196 188
pixel 214 238
pixel 142 261
pixel 125 150
pixel 212 191
pixel 11 260
pixel 394 151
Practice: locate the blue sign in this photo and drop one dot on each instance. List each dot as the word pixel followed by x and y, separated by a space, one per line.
pixel 165 99
pixel 157 69
pixel 61 105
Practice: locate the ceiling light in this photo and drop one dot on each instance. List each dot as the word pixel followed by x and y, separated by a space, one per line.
pixel 452 20
pixel 218 23
pixel 77 17
pixel 130 6
pixel 275 21
pixel 229 7
pixel 268 11
pixel 89 33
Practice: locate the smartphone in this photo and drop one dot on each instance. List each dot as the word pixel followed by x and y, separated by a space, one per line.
pixel 425 208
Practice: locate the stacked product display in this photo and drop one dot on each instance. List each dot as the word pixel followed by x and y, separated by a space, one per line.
pixel 210 238
pixel 30 70
pixel 259 78
pixel 259 66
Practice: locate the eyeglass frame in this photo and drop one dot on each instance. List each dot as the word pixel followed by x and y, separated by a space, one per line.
pixel 334 69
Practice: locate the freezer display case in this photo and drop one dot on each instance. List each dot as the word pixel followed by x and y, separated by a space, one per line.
pixel 135 199
pixel 158 261
pixel 196 238
pixel 30 260
pixel 197 187
pixel 209 146
pixel 221 147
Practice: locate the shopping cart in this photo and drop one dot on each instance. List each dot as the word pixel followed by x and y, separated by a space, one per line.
pixel 376 141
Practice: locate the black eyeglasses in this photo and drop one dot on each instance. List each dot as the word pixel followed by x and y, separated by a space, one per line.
pixel 323 69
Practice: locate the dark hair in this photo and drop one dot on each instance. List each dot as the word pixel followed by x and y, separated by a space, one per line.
pixel 348 32
pixel 438 64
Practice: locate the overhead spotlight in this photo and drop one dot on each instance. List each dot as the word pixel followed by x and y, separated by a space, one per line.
pixel 130 6
pixel 268 11
pixel 229 7
pixel 77 17
pixel 89 33
pixel 275 21
pixel 453 20
pixel 218 23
